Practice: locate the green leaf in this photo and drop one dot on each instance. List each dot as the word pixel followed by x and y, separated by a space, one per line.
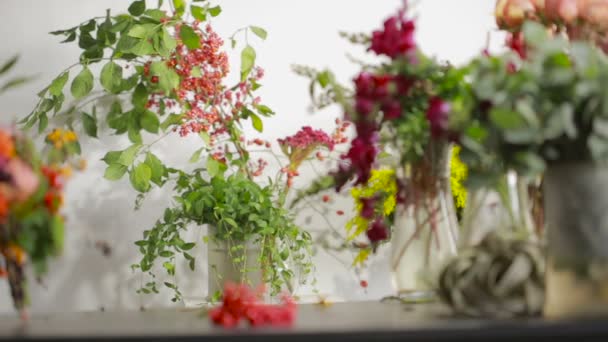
pixel 143 48
pixel 56 87
pixel 215 11
pixel 258 31
pixel 507 119
pixel 180 7
pixel 139 98
pixel 8 65
pixel 112 157
pixel 82 83
pixel 168 79
pixel 57 234
pixel 43 122
pixel 534 33
pixel 205 136
pixel 247 61
pixel 172 119
pixel 137 8
pixel 89 123
pixel 196 156
pixel 140 177
pixel 169 43
pixel 115 172
pixel 198 13
pixel 128 156
pixel 155 14
pixel 215 168
pixel 324 78
pixel 189 37
pixel 149 121
pixel 257 122
pixel 264 110
pixel 141 31
pixel 156 167
pixel 111 77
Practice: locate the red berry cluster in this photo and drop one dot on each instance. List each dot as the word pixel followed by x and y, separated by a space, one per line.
pixel 240 302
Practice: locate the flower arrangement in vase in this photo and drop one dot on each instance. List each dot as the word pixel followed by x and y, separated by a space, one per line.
pixel 401 110
pixel 166 72
pixel 541 110
pixel 31 225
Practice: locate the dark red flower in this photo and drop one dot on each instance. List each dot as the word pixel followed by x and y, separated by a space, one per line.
pixel 392 110
pixel 369 207
pixel 437 115
pixel 516 42
pixel 378 231
pixel 362 155
pixel 396 39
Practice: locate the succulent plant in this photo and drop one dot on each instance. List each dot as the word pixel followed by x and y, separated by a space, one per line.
pixel 500 277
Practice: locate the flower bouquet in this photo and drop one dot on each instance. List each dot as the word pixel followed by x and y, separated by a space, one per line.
pixel 31 227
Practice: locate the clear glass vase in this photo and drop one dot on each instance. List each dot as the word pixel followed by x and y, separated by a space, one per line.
pixel 425 229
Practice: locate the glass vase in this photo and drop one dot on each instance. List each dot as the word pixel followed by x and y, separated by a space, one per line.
pixel 425 229
pixel 576 216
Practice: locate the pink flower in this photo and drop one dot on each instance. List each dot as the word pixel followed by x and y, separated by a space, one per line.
pixel 437 115
pixel 369 207
pixel 392 110
pixel 25 182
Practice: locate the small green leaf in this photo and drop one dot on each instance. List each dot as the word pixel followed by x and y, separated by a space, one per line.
pixel 258 31
pixel 206 138
pixel 169 42
pixel 196 156
pixel 247 61
pixel 190 37
pixel 168 79
pixel 215 11
pixel 112 157
pixel 180 7
pixel 149 121
pixel 127 157
pixel 115 172
pixel 82 83
pixel 43 122
pixel 507 119
pixel 143 48
pixel 89 123
pixel 140 177
pixel 137 8
pixel 264 110
pixel 156 167
pixel 199 13
pixel 140 97
pixel 172 119
pixel 8 65
pixel 257 122
pixel 215 168
pixel 111 77
pixel 56 87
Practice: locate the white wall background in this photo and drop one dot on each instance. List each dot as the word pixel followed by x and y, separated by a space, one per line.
pixel 299 32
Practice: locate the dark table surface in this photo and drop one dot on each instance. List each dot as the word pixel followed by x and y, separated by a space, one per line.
pixel 364 321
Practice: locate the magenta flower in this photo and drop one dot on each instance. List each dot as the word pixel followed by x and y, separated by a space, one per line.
pixel 396 39
pixel 437 114
pixel 392 110
pixel 369 207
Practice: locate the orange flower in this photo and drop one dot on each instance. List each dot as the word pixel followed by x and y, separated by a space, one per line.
pixel 7 147
pixel 53 202
pixel 15 253
pixel 3 208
